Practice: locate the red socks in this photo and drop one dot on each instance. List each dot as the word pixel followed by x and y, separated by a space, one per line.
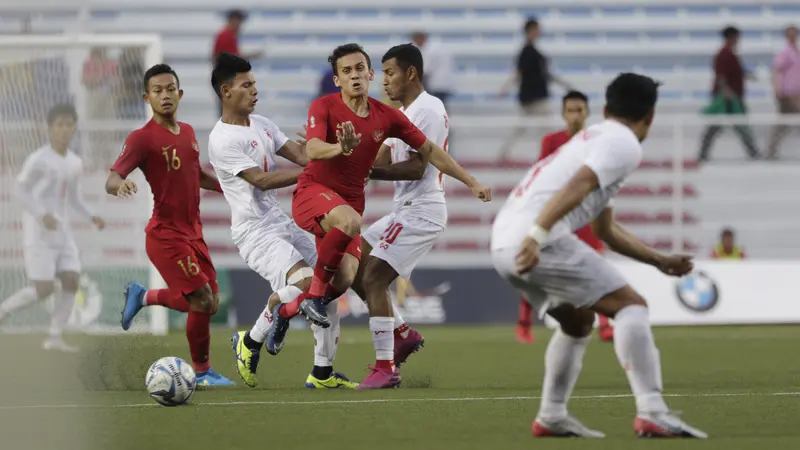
pixel 163 297
pixel 330 253
pixel 198 334
pixel 291 309
pixel 602 321
pixel 525 311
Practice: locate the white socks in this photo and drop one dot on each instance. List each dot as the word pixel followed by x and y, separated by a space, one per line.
pixel 327 339
pixel 382 330
pixel 62 310
pixel 264 322
pixel 563 361
pixel 638 355
pixel 18 300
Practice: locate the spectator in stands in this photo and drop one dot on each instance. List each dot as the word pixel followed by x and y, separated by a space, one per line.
pixel 131 70
pixel 439 67
pixel 727 248
pixel 326 84
pixel 227 40
pixel 786 82
pixel 532 75
pixel 728 94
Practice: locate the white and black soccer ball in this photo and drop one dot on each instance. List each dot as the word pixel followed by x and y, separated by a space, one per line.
pixel 170 381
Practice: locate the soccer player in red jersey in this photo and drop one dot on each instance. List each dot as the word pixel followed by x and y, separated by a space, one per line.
pixel 166 151
pixel 344 131
pixel 575 109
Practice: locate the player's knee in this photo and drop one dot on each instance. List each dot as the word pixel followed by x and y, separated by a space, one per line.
pixel 346 219
pixel 203 300
pixel 44 289
pixel 574 322
pixel 70 282
pixel 614 302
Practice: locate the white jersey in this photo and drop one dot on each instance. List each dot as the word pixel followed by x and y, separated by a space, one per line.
pixel 610 149
pixel 426 196
pixel 233 149
pixel 49 183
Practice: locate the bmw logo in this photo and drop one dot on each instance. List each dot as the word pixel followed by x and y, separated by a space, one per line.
pixel 697 292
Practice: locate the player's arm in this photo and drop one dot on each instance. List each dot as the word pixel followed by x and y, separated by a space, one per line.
pixel 32 170
pixel 209 181
pixel 294 152
pixel 412 168
pixel 270 180
pixel 78 203
pixel 130 157
pixel 415 138
pixel 611 162
pixel 317 132
pixel 624 242
pixel 230 159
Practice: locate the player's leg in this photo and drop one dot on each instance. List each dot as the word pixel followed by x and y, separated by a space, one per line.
pixel 640 358
pixel 40 268
pixel 525 321
pixel 64 302
pixel 604 328
pixel 406 339
pixel 203 303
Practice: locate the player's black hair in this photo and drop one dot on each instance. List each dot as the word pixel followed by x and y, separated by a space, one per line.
pixel 729 32
pixel 530 24
pixel 158 69
pixel 344 50
pixel 236 14
pixel 226 67
pixel 407 55
pixel 61 109
pixel 574 95
pixel 727 232
pixel 631 96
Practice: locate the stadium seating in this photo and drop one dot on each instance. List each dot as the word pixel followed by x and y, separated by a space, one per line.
pixel 588 42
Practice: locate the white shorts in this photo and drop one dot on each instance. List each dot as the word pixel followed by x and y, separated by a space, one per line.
pixel 569 271
pixel 271 252
pixel 43 262
pixel 402 240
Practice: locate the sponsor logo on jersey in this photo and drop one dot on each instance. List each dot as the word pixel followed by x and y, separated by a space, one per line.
pixel 253 144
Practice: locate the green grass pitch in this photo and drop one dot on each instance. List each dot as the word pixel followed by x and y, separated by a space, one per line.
pixel 469 388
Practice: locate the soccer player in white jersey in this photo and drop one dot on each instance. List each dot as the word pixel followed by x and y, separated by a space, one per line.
pixel 534 248
pixel 242 148
pixel 394 245
pixel 47 186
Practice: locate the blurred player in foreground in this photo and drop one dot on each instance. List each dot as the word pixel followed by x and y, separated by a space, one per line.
pixel 534 248
pixel 47 186
pixel 166 151
pixel 575 109
pixel 393 245
pixel 243 149
pixel 345 132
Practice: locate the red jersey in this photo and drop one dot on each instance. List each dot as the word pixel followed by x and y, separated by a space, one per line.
pixel 171 164
pixel 345 174
pixel 226 41
pixel 550 144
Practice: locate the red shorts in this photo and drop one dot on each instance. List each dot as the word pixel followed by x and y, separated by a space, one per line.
pixel 311 202
pixel 185 265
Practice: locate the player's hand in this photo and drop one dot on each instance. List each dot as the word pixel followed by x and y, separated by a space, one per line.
pixel 303 136
pixel 126 189
pixel 676 265
pixel 527 256
pixel 99 222
pixel 484 193
pixel 348 139
pixel 50 222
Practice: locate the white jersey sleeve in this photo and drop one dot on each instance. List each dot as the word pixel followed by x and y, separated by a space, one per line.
pixel 228 155
pixel 273 132
pixel 614 159
pixel 430 123
pixel 32 170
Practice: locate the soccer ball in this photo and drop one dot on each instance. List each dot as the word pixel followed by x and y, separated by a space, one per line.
pixel 170 381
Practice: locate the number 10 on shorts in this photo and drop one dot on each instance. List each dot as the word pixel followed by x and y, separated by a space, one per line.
pixel 189 267
pixel 390 235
